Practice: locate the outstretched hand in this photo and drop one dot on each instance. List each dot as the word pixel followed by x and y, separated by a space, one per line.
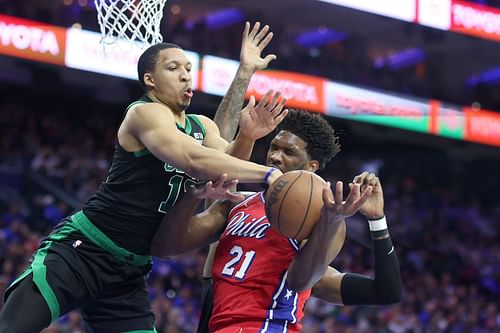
pixel 335 209
pixel 218 190
pixel 257 121
pixel 253 43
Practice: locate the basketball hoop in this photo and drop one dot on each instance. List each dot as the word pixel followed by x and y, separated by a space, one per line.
pixel 132 20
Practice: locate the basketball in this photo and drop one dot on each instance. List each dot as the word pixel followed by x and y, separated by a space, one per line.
pixel 294 202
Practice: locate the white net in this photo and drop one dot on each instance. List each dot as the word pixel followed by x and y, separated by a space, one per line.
pixel 133 20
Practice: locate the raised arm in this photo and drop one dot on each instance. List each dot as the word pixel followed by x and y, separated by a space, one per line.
pixel 355 289
pixel 253 43
pixel 327 236
pixel 256 121
pixel 154 126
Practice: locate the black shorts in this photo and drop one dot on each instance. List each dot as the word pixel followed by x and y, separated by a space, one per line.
pixel 79 267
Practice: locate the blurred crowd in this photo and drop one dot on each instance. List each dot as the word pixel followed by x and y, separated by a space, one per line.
pixel 351 60
pixel 442 216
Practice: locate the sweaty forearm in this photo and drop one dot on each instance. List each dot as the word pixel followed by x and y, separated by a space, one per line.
pixel 227 114
pixel 313 259
pixel 385 287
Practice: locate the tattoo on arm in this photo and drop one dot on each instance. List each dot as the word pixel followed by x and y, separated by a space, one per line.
pixel 226 116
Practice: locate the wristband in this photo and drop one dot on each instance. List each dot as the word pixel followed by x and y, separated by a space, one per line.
pixel 377 225
pixel 268 174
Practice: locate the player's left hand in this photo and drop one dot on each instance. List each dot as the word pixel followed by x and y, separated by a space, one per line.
pixel 220 189
pixel 253 43
pixel 335 209
pixel 257 121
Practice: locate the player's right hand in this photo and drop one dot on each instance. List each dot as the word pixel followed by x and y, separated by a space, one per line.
pixel 335 209
pixel 253 43
pixel 257 121
pixel 373 209
pixel 220 189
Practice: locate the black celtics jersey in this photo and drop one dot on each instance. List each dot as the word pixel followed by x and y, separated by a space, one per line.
pixel 139 190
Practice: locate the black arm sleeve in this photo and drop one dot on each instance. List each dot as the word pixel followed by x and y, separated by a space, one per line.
pixel 384 288
pixel 207 302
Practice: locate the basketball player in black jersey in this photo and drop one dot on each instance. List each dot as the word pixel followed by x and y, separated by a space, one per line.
pixel 98 258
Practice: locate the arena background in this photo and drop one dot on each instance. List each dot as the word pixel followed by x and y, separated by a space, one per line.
pixel 433 67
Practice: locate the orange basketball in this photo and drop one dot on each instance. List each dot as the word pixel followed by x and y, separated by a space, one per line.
pixel 294 202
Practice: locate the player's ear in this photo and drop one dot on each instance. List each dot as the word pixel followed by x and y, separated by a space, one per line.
pixel 149 80
pixel 313 165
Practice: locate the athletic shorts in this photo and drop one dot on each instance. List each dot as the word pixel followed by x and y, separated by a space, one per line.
pixel 77 266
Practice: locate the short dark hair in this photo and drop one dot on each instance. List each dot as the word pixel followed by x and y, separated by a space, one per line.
pixel 148 59
pixel 322 144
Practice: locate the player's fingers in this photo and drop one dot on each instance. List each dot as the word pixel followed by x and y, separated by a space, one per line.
pixel 354 206
pixel 365 195
pixel 274 100
pixel 245 31
pixel 339 192
pixel 328 200
pixel 263 43
pixel 221 180
pixel 231 184
pixel 277 109
pixel 261 33
pixel 269 58
pixel 360 178
pixel 254 30
pixel 354 194
pixel 208 186
pixel 278 119
pixel 265 99
pixel 235 197
pixel 251 104
pixel 369 178
pixel 374 181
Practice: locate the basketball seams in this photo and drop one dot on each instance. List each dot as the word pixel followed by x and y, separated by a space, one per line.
pixel 308 206
pixel 283 199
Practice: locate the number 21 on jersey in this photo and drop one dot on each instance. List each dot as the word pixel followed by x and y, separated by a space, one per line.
pixel 237 252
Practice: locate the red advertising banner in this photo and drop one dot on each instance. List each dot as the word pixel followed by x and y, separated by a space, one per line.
pixel 482 126
pixel 32 40
pixel 301 91
pixel 477 20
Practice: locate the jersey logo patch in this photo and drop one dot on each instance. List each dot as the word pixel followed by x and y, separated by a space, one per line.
pixel 198 136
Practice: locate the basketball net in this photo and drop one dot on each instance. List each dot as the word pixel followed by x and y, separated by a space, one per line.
pixel 132 20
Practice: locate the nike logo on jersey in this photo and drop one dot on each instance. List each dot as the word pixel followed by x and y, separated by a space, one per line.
pixel 238 226
pixel 392 250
